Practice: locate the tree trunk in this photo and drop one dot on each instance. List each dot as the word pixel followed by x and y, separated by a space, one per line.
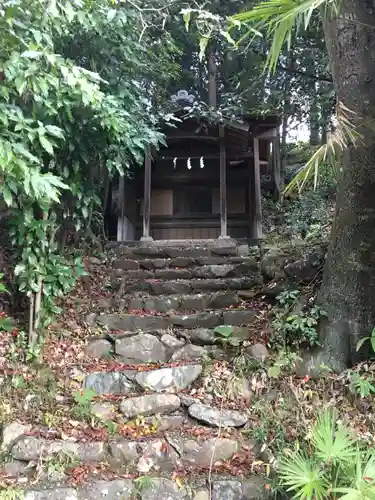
pixel 348 289
pixel 212 89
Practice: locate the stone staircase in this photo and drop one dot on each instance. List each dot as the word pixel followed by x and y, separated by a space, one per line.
pixel 160 350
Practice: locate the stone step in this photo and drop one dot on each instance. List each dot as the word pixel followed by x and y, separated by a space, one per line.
pixel 153 488
pixel 123 270
pixel 178 287
pixel 189 302
pixel 177 344
pixel 206 319
pixel 215 266
pixel 172 250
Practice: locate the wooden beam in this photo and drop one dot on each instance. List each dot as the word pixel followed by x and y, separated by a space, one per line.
pixel 256 222
pixel 223 185
pixel 269 134
pixel 147 199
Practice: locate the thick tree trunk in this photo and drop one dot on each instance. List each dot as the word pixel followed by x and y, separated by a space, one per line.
pixel 348 289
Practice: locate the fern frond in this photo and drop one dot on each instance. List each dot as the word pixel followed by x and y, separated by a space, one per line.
pixel 328 153
pixel 332 441
pixel 281 18
pixel 303 476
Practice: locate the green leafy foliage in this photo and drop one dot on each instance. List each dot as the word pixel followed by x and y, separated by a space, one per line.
pixel 225 335
pixel 330 465
pixel 370 339
pixel 295 322
pixel 361 384
pixel 75 107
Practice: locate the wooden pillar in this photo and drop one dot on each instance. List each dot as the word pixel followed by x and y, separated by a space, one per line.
pixel 256 215
pixel 223 185
pixel 120 220
pixel 147 199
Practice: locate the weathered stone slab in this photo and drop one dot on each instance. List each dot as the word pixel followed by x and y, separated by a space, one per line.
pixel 132 322
pixel 226 490
pixel 53 494
pixel 170 287
pixel 164 489
pixel 119 489
pixel 142 348
pixel 169 379
pixel 153 263
pixel 214 271
pixel 124 451
pixel 108 383
pixel 172 274
pixel 98 348
pixel 182 262
pixel 150 404
pixel 217 417
pixel 11 432
pixel 199 453
pixel 192 252
pixel 161 304
pixel 222 300
pixel 239 317
pixel 194 302
pixel 230 250
pixel 200 320
pixel 156 455
pixel 126 264
pixel 31 448
pixel 205 285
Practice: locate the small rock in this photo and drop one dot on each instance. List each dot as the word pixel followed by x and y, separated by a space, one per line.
pixel 217 417
pixel 226 490
pixel 150 404
pixel 124 452
pixel 53 494
pixel 227 250
pixel 142 348
pixel 187 400
pixel 254 488
pixel 104 411
pixel 273 264
pixel 105 304
pixel 91 319
pixel 12 432
pixel 204 336
pixel 189 352
pixel 98 348
pixel 157 454
pixel 166 422
pixel 258 352
pixel 16 469
pixel 171 342
pixel 108 383
pixel 95 261
pixel 241 388
pixel 169 379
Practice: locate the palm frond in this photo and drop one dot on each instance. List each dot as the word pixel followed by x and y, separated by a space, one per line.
pixel 328 153
pixel 303 476
pixel 281 18
pixel 332 441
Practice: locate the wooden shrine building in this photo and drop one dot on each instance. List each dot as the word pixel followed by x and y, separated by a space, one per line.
pixel 204 184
